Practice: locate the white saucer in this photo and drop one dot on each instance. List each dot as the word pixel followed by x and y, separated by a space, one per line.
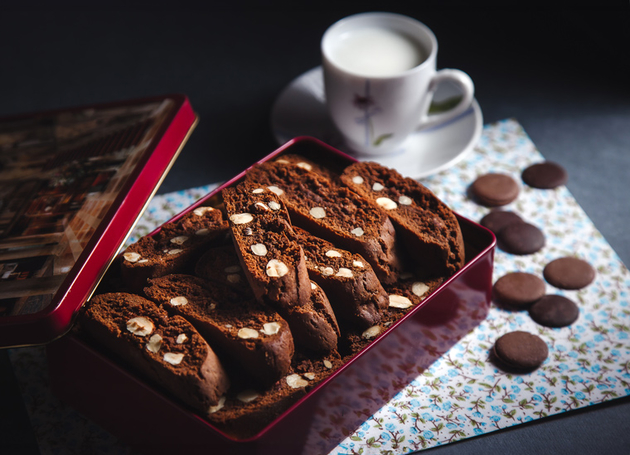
pixel 300 110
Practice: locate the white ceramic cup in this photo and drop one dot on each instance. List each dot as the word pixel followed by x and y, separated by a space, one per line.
pixel 379 79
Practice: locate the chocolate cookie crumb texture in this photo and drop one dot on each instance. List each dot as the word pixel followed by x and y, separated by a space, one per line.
pixel 255 340
pixel 409 291
pixel 176 247
pixel 222 266
pixel 280 307
pixel 428 231
pixel 348 280
pixel 275 265
pixel 334 213
pixel 163 349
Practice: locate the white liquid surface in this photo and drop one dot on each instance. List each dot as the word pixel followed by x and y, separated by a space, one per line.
pixel 376 52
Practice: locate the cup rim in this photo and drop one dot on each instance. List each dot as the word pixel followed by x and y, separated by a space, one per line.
pixel 391 16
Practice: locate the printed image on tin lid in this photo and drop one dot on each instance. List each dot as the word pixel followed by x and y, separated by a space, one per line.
pixel 65 176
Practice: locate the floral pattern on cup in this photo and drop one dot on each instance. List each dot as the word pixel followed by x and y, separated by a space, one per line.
pixel 366 104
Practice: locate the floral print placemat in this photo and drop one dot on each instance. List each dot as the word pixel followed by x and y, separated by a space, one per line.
pixel 461 394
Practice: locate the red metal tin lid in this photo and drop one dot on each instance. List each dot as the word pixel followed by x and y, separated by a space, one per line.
pixel 73 183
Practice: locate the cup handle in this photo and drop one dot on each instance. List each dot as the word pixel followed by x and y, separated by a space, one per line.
pixel 467 88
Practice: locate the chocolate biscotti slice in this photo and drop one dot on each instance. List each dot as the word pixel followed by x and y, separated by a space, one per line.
pixel 245 411
pixel 333 212
pixel 196 229
pixel 409 291
pixel 275 266
pixel 248 336
pixel 348 280
pixel 306 164
pixel 162 348
pixel 315 325
pixel 427 228
pixel 175 248
pixel 265 244
pixel 221 265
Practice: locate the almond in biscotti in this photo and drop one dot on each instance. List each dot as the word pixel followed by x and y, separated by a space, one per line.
pixel 177 246
pixel 322 206
pixel 279 275
pixel 275 267
pixel 305 164
pixel 256 339
pixel 409 291
pixel 354 291
pixel 427 229
pixel 146 338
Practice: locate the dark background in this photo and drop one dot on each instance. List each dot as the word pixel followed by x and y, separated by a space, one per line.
pixel 559 69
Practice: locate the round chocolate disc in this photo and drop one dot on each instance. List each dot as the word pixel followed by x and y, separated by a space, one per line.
pixel 521 350
pixel 554 311
pixel 498 219
pixel 518 290
pixel 494 190
pixel 546 175
pixel 521 238
pixel 569 273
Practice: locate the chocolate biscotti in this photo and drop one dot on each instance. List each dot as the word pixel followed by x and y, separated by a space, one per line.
pixel 275 266
pixel 222 266
pixel 254 339
pixel 314 325
pixel 348 280
pixel 409 291
pixel 167 350
pixel 306 164
pixel 176 247
pixel 245 411
pixel 427 228
pixel 303 272
pixel 333 212
pixel 271 258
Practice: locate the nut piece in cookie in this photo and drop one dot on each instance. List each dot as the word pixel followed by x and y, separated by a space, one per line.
pixel 174 249
pixel 222 266
pixel 427 229
pixel 275 266
pixel 331 211
pixel 251 337
pixel 348 280
pixel 162 348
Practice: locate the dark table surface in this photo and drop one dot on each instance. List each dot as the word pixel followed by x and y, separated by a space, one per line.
pixel 561 72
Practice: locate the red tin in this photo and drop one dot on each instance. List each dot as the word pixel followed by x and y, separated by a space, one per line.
pixel 74 183
pixel 150 422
